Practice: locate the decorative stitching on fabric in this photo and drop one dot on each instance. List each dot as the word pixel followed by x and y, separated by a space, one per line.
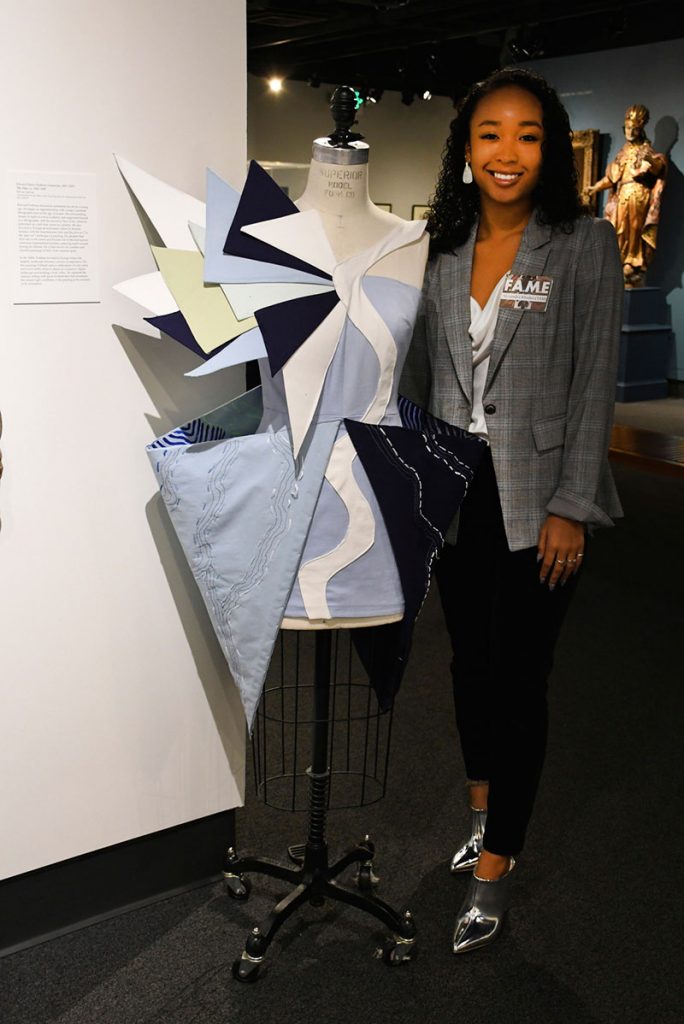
pixel 165 467
pixel 434 550
pixel 258 566
pixel 420 485
pixel 430 437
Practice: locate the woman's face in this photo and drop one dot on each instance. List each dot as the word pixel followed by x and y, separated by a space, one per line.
pixel 505 146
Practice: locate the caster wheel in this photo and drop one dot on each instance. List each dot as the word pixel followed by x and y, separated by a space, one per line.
pixel 366 879
pixel 237 887
pixel 393 952
pixel 296 853
pixel 245 971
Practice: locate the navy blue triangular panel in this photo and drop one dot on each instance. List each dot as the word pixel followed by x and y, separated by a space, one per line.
pixel 177 327
pixel 286 325
pixel 262 199
pixel 419 478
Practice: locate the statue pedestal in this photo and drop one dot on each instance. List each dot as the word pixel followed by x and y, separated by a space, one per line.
pixel 645 346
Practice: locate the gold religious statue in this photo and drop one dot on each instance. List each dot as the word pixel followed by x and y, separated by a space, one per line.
pixel 637 178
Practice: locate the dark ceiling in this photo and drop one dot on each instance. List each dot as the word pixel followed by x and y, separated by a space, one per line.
pixel 412 46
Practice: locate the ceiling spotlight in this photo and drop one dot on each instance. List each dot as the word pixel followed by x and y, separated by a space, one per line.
pixel 407 97
pixel 275 84
pixel 521 43
pixel 427 95
pixel 432 63
pixel 375 95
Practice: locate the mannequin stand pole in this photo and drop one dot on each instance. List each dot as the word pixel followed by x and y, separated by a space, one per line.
pixel 314 881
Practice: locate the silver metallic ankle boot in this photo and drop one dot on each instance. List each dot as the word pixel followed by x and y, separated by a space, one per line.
pixel 467 856
pixel 481 916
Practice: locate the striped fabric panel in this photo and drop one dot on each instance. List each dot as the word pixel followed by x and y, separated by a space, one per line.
pixel 193 432
pixel 415 418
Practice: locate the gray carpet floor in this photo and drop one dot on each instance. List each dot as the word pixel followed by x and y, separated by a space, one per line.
pixel 594 932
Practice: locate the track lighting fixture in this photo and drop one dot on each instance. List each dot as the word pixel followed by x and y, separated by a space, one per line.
pixel 522 43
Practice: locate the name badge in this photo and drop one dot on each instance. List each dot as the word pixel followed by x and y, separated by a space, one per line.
pixel 526 291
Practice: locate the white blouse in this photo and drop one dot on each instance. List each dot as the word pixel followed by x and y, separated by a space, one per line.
pixel 481 331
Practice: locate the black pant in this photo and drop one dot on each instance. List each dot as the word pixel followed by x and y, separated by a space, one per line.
pixel 503 626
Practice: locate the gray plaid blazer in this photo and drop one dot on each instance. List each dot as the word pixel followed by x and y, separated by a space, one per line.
pixel 551 380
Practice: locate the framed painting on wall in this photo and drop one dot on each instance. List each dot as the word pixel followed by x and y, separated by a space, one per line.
pixel 387 207
pixel 585 148
pixel 419 212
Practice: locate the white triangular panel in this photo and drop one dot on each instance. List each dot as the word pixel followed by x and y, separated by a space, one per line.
pixel 151 292
pixel 299 234
pixel 169 209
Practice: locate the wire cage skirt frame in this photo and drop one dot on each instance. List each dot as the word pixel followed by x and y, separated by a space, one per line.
pixel 358 733
pixel 320 742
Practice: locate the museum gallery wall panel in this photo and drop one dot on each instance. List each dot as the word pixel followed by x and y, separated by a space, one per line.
pixel 597 89
pixel 119 718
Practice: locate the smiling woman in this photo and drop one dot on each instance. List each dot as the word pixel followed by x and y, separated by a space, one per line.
pixel 505 146
pixel 516 341
pixel 505 156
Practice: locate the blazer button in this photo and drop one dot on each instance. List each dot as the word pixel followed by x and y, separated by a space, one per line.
pixel 490 408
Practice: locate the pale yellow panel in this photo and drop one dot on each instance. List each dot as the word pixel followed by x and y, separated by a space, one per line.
pixel 204 306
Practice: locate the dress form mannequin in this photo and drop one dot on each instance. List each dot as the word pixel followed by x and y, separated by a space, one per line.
pixel 337 187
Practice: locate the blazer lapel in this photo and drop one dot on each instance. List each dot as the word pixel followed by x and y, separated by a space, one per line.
pixel 455 282
pixel 531 259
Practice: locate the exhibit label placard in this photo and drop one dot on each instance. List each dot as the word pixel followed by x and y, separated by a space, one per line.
pixel 53 237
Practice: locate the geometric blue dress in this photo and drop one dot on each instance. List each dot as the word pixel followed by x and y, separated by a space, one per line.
pixel 319 495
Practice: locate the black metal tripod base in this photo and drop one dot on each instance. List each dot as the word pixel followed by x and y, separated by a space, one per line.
pixel 314 882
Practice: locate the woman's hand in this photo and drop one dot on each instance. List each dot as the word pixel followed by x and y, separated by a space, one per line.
pixel 560 549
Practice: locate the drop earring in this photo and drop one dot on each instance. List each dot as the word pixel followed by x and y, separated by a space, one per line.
pixel 467 174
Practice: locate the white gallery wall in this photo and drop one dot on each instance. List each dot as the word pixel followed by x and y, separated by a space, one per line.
pixel 118 717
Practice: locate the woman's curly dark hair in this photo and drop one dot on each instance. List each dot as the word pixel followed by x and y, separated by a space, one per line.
pixel 455 206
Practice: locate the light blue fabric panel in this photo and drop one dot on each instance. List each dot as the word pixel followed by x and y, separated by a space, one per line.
pixel 352 378
pixel 222 202
pixel 353 374
pixel 371 584
pixel 242 512
pixel 249 345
